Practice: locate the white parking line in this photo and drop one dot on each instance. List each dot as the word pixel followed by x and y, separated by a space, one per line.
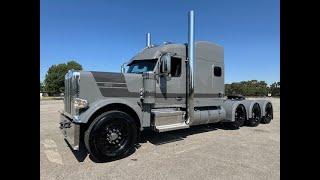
pixel 51 151
pixel 49 143
pixel 53 156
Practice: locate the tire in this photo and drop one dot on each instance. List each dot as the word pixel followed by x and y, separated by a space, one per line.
pixel 111 135
pixel 268 115
pixel 256 116
pixel 240 117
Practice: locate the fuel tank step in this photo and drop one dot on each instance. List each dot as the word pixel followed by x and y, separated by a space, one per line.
pixel 168 119
pixel 170 127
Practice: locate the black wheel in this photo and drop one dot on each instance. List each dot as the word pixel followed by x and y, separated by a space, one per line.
pixel 111 135
pixel 240 117
pixel 256 116
pixel 268 115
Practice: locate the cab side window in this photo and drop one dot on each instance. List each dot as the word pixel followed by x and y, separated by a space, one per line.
pixel 175 67
pixel 217 71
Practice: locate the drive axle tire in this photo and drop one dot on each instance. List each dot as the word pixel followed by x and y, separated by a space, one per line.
pixel 256 116
pixel 111 135
pixel 268 115
pixel 240 117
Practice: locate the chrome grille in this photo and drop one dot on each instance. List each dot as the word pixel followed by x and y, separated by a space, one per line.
pixel 71 90
pixel 67 102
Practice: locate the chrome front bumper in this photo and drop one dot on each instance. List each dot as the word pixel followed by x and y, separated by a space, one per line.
pixel 70 130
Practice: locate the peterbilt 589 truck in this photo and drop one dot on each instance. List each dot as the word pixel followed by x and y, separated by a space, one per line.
pixel 165 87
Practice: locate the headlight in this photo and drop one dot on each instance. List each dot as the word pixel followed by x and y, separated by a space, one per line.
pixel 80 103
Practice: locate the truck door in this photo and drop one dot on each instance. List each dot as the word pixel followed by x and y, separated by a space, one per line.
pixel 171 93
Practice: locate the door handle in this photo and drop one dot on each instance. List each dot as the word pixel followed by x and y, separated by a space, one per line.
pixel 178 98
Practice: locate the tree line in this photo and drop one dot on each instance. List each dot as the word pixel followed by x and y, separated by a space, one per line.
pixel 54 80
pixel 252 88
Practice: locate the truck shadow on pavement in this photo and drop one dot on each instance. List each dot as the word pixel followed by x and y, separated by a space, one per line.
pixel 81 154
pixel 154 138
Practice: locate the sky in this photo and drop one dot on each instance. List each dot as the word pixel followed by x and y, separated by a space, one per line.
pixel 103 34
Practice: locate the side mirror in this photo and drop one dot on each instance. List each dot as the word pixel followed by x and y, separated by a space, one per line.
pixel 165 64
pixel 123 69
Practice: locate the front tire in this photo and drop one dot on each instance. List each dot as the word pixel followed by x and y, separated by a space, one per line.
pixel 111 135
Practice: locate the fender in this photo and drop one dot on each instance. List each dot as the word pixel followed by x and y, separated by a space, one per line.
pixel 263 103
pixel 230 108
pixel 248 105
pixel 94 107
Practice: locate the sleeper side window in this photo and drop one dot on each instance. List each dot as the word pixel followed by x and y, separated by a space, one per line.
pixel 217 71
pixel 175 67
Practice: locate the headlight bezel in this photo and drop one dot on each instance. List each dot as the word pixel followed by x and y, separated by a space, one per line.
pixel 79 103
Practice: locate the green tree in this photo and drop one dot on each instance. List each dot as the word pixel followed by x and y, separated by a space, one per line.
pixel 41 86
pixel 275 89
pixel 54 80
pixel 247 88
pixel 227 89
pixel 74 65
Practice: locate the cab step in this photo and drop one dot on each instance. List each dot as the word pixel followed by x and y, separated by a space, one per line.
pixel 168 119
pixel 170 127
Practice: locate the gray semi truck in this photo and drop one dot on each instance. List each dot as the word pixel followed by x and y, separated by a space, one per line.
pixel 164 87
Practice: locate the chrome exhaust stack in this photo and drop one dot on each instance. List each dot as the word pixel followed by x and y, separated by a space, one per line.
pixel 148 40
pixel 191 68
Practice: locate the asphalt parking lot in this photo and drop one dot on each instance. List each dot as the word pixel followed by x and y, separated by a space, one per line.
pixel 201 152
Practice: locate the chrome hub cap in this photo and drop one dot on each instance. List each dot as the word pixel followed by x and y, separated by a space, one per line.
pixel 113 136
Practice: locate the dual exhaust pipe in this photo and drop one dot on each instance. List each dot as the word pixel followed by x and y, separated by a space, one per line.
pixel 190 69
pixel 148 40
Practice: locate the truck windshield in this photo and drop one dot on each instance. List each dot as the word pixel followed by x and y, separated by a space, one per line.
pixel 141 66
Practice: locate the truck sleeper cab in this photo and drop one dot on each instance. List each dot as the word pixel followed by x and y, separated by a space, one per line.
pixel 166 87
